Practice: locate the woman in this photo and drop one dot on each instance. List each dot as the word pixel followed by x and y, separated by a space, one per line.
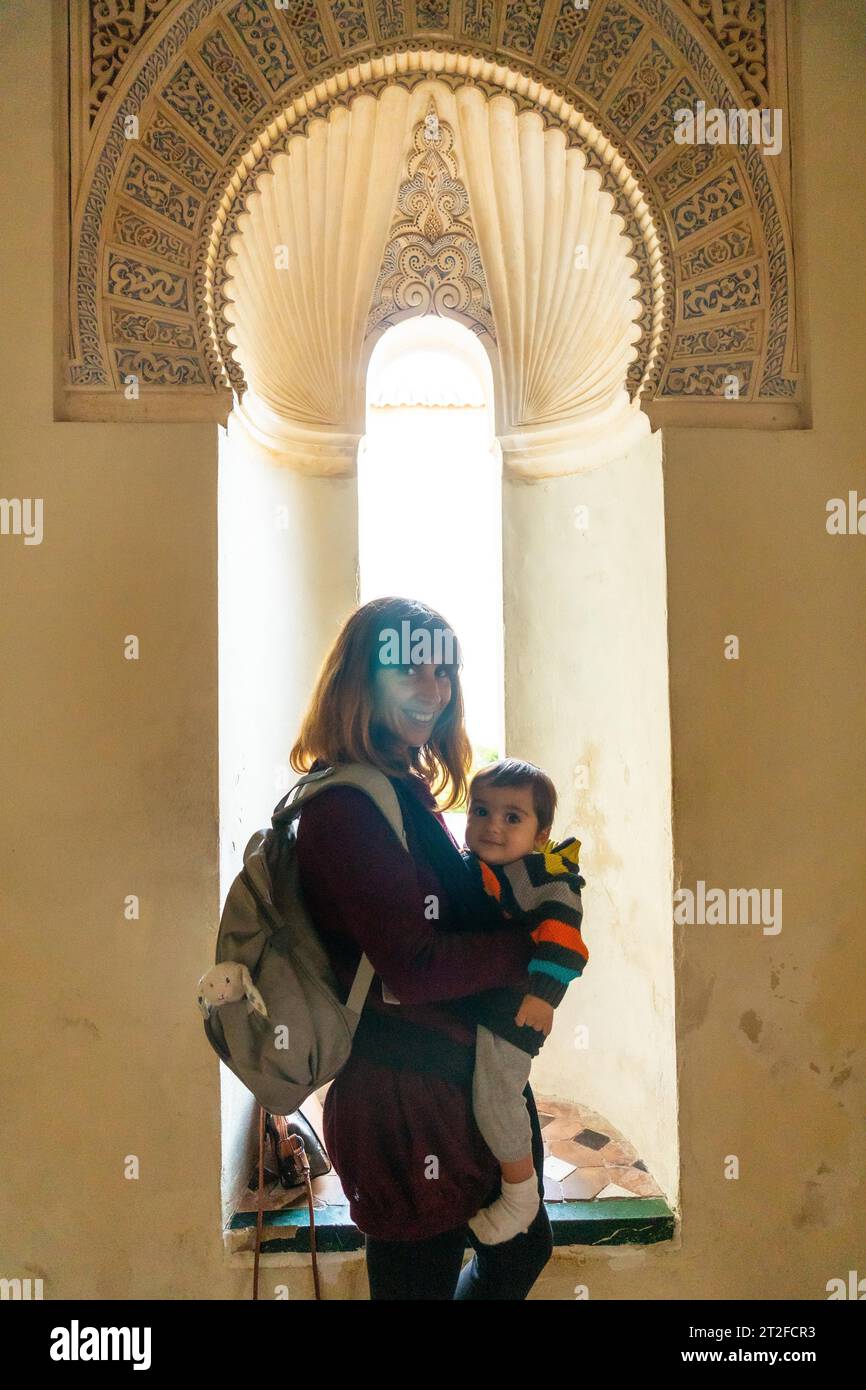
pixel 398 1120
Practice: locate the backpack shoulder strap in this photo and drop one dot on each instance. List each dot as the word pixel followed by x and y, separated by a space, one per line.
pixel 365 777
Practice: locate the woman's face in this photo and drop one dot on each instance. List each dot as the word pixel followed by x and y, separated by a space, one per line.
pixel 408 700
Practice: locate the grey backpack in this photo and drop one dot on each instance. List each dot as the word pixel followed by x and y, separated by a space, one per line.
pixel 296 1035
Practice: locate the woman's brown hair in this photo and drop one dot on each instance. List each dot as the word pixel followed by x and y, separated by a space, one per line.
pixel 338 724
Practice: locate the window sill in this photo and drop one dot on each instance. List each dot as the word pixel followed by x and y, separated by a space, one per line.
pixel 613 1221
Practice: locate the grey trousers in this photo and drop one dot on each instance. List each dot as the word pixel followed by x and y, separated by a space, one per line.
pixel 500 1075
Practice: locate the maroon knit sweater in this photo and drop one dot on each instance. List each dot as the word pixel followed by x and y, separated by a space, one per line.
pixel 398 1122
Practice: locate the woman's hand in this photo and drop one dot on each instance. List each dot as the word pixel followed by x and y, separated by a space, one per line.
pixel 535 1013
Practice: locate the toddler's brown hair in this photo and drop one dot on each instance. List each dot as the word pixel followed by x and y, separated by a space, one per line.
pixel 513 772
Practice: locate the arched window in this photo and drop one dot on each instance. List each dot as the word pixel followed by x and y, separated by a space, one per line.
pixel 430 501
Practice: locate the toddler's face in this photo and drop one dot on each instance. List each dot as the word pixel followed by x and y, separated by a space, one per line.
pixel 501 824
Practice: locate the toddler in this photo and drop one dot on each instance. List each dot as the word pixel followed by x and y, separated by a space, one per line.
pixel 537 883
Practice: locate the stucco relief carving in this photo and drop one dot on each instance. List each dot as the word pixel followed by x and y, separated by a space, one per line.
pixel 432 263
pixel 115 28
pixel 208 79
pixel 740 29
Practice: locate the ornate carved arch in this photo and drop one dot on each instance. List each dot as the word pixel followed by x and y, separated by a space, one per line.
pixel 207 79
pixel 409 69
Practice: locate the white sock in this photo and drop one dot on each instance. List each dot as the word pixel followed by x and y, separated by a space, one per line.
pixel 510 1214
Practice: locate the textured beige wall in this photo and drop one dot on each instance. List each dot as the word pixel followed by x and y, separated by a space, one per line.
pixel 110 787
pixel 769 769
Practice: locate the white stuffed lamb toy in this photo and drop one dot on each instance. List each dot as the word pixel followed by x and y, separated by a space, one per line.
pixel 227 983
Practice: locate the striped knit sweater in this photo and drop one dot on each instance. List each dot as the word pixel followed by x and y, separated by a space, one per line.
pixel 541 891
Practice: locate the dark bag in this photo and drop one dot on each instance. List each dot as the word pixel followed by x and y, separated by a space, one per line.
pixel 279 1130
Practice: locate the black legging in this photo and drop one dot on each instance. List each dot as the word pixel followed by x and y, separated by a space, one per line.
pixel 430 1269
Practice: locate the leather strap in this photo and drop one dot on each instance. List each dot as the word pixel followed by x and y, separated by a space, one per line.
pixel 261 1200
pixel 302 1164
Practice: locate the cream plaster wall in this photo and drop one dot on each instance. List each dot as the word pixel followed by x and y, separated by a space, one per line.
pixel 587 698
pixel 110 780
pixel 110 788
pixel 288 559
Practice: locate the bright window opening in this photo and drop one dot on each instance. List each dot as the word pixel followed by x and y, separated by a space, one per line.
pixel 430 502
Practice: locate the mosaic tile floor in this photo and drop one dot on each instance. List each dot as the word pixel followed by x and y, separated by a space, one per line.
pixel 602 1162
pixel 586 1159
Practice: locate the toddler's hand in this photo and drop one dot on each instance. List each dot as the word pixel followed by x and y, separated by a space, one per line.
pixel 535 1013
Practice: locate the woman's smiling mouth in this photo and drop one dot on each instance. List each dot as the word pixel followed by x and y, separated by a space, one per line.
pixel 420 718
